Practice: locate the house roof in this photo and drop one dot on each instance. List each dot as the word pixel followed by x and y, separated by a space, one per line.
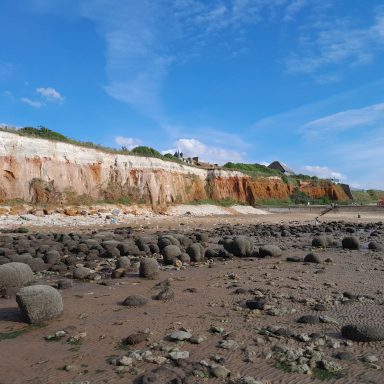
pixel 280 167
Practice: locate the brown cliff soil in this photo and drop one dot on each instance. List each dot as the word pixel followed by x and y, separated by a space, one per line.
pixel 46 180
pixel 248 190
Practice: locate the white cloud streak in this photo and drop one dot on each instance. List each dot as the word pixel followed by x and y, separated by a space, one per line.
pixel 337 42
pixel 341 121
pixel 32 103
pixel 5 70
pixel 50 94
pixel 322 172
pixel 216 155
pixel 128 142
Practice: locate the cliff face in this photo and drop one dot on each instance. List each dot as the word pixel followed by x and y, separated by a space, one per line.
pixel 43 171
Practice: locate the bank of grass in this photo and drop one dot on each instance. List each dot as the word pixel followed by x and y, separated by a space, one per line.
pixel 222 203
pixel 369 196
pixel 19 332
pixel 274 202
pixel 47 134
pixel 253 170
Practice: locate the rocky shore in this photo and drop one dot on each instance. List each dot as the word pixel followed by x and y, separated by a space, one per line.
pixel 229 302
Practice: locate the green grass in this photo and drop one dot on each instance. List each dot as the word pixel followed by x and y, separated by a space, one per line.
pixel 14 334
pixel 253 170
pixel 227 202
pixel 323 374
pixel 47 134
pixel 274 202
pixel 368 196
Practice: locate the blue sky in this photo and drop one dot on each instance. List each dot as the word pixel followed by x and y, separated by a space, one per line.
pixel 299 81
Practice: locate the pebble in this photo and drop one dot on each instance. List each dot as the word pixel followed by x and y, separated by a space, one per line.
pixel 180 335
pixel 179 355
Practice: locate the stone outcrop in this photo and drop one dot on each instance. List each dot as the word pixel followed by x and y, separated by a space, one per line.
pixel 44 171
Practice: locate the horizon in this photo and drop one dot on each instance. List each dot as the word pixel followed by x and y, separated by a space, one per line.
pixel 231 80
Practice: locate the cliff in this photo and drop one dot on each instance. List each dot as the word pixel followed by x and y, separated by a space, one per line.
pixel 43 171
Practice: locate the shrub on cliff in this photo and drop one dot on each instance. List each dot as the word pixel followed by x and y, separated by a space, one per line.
pixel 299 197
pixel 145 151
pixel 252 169
pixel 43 132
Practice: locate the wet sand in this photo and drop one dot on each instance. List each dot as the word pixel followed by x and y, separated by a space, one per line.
pixel 211 294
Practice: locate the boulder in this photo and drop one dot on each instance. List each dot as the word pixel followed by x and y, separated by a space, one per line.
pixel 242 246
pixel 312 258
pixel 165 240
pixel 375 246
pixel 363 332
pixel 170 254
pixel 321 242
pixel 258 303
pixel 123 262
pixel 269 251
pixel 135 301
pixel 149 268
pixel 15 275
pixel 82 273
pixel 52 257
pixel 196 252
pixel 350 242
pixel 39 303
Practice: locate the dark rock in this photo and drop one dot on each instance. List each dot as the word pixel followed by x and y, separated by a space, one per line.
pixel 123 262
pixel 184 258
pixel 343 356
pixel 167 240
pixel 15 275
pixel 321 242
pixel 312 258
pixel 170 254
pixel 165 295
pixel 294 259
pixel 283 332
pixel 196 252
pixel 135 338
pixel 375 246
pixel 363 332
pixel 39 303
pixel 240 246
pixel 309 319
pixel 201 236
pixel 350 242
pixel 163 375
pixel 25 258
pixel 149 268
pixel 269 251
pixel 118 273
pixel 135 301
pixel 64 284
pixel 82 273
pixel 255 303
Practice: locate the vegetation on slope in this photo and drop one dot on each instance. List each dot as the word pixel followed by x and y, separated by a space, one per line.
pixel 368 196
pixel 253 170
pixel 45 133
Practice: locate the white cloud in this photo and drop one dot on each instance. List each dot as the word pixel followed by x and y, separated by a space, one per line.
pixel 361 117
pixel 337 42
pixel 322 172
pixel 144 38
pixel 127 142
pixel 50 94
pixel 294 7
pixel 193 147
pixel 32 103
pixel 5 69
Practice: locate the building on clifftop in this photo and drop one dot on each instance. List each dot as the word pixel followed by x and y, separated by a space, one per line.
pixel 283 168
